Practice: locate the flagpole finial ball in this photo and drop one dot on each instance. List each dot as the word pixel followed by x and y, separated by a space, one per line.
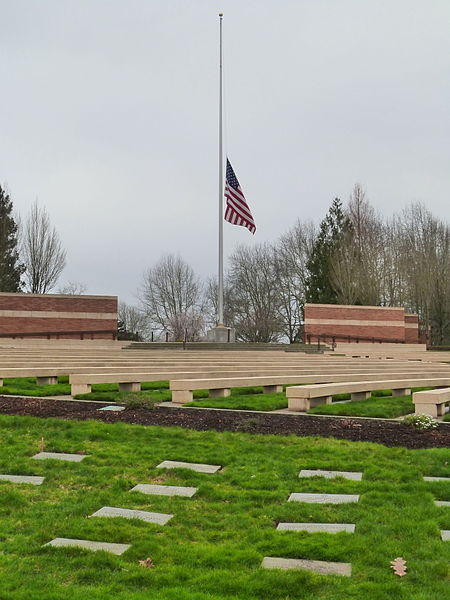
pixel 220 15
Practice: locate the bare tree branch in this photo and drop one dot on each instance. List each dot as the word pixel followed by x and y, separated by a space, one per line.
pixel 42 252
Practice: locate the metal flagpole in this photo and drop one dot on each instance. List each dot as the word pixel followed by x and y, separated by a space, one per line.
pixel 220 290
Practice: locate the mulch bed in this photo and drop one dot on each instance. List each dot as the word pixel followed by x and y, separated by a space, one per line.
pixel 388 433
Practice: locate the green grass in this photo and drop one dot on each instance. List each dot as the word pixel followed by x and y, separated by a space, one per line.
pixel 376 407
pixel 260 402
pixel 26 386
pixel 381 406
pixel 213 547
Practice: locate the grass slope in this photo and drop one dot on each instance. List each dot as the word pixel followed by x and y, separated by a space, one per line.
pixel 213 547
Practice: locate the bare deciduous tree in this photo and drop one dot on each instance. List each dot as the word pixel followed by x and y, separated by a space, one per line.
pixel 133 321
pixel 42 252
pixel 73 288
pixel 254 295
pixel 210 302
pixel 171 297
pixel 291 255
pixel 356 265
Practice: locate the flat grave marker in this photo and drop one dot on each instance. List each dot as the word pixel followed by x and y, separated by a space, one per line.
pixel 198 467
pixel 317 566
pixel 331 474
pixel 437 479
pixel 89 545
pixel 164 490
pixel 32 479
pixel 142 515
pixel 445 535
pixel 317 527
pixel 442 503
pixel 60 456
pixel 323 498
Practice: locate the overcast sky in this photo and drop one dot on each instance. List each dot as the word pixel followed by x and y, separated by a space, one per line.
pixel 108 117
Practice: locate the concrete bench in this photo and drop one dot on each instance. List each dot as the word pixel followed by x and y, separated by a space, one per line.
pixel 182 389
pixel 303 398
pixel 431 402
pixel 81 383
pixel 48 375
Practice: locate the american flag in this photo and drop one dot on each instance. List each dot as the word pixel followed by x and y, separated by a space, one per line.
pixel 237 211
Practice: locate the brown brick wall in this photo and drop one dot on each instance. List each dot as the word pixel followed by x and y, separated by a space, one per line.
pixel 358 321
pixel 366 313
pixel 96 306
pixel 53 302
pixel 412 333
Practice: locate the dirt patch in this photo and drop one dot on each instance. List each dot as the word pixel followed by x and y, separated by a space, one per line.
pixel 388 433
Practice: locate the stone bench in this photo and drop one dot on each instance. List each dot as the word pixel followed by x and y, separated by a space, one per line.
pixel 182 389
pixel 431 402
pixel 48 375
pixel 302 398
pixel 81 383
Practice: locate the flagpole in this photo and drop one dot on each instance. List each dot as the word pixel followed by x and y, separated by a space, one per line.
pixel 220 288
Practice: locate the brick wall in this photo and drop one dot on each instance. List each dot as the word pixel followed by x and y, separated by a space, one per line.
pixel 59 315
pixel 411 329
pixel 341 321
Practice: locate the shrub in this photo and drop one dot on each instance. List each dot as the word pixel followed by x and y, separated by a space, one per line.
pixel 132 401
pixel 422 422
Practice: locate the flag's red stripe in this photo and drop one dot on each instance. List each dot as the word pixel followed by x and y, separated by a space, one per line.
pixel 236 192
pixel 238 204
pixel 239 210
pixel 234 219
pixel 238 200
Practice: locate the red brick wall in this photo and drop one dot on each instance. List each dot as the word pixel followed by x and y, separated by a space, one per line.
pixel 334 320
pixel 59 315
pixel 411 329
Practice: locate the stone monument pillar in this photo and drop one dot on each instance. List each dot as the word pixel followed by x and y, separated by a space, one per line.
pixel 221 334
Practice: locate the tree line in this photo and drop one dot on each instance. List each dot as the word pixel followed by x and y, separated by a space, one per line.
pixel 32 257
pixel 354 256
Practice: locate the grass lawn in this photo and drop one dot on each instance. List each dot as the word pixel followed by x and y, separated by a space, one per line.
pixel 266 402
pixel 376 407
pixel 214 545
pixel 26 386
pixel 380 405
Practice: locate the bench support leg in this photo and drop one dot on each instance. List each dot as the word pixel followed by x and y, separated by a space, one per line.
pixel 440 409
pixel 360 396
pixel 321 400
pixel 220 393
pixel 129 387
pixel 79 388
pixel 299 404
pixel 182 396
pixel 1 382
pixel 426 409
pixel 272 389
pixel 304 404
pixel 401 392
pixel 46 380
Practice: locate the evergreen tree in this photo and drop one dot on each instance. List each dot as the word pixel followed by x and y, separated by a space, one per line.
pixel 333 229
pixel 11 268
